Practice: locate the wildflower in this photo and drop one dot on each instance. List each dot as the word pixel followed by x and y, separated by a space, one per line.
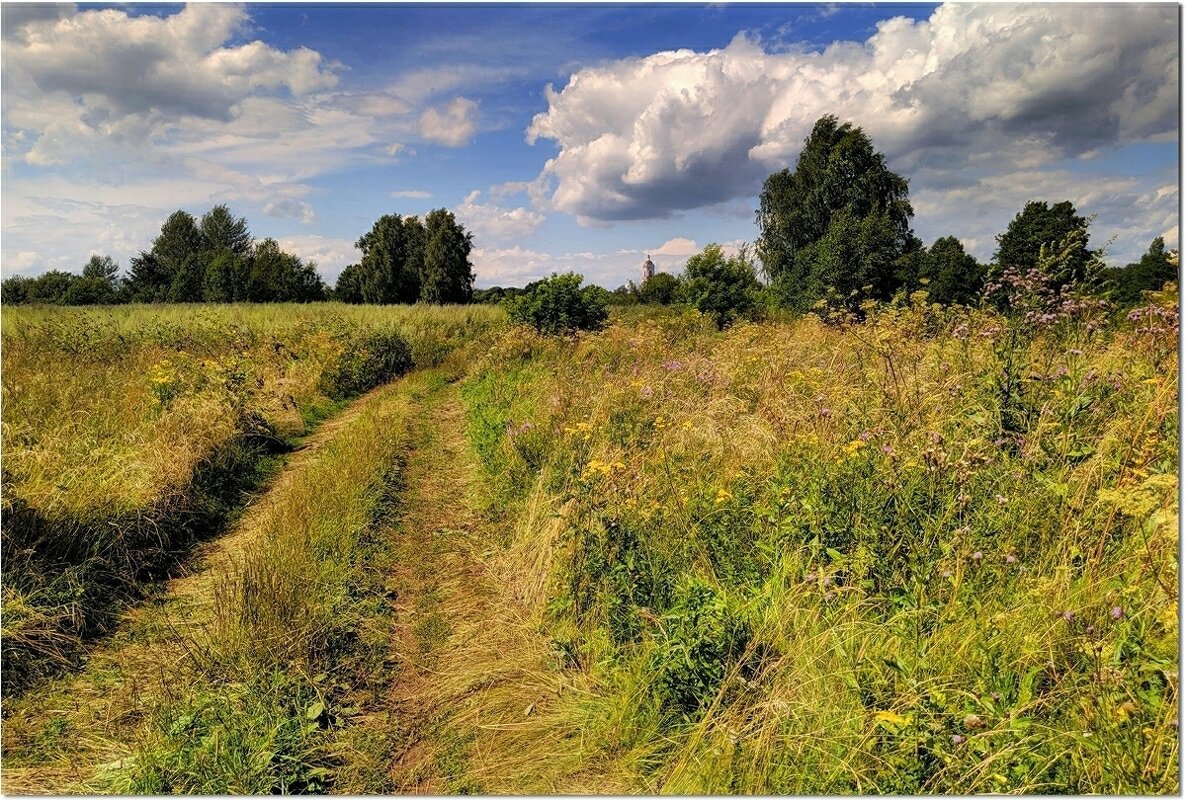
pixel 647 392
pixel 829 596
pixel 827 582
pixel 956 739
pixel 887 450
pixel 1068 615
pixel 946 574
pixel 977 556
pixel 825 412
pixel 673 365
pixel 1117 613
pixel 723 495
pixel 1010 559
pixel 854 446
pixel 810 576
pixel 1002 500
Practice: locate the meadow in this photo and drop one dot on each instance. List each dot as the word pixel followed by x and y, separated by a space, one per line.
pixel 130 432
pixel 919 549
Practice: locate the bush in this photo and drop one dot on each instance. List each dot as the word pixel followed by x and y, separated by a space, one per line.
pixel 704 640
pixel 724 289
pixel 560 305
pixel 381 355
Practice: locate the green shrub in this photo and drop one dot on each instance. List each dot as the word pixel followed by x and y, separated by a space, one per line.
pixel 378 357
pixel 703 640
pixel 723 289
pixel 560 305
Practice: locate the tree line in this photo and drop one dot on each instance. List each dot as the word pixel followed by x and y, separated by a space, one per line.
pixel 835 232
pixel 216 260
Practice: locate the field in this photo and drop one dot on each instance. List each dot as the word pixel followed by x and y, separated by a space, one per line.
pixel 924 550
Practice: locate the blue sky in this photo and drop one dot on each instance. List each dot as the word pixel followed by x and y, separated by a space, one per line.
pixel 570 137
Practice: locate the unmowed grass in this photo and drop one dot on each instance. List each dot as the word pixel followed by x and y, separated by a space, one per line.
pixel 295 631
pixel 130 432
pixel 926 551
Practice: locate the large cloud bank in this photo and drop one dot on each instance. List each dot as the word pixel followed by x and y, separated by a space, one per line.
pixel 971 90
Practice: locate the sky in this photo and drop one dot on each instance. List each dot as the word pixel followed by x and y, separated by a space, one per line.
pixel 570 137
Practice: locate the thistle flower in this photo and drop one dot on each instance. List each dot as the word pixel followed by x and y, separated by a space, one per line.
pixel 1117 613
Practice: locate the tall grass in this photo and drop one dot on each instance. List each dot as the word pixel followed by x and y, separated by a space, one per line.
pixel 930 551
pixel 129 432
pixel 284 642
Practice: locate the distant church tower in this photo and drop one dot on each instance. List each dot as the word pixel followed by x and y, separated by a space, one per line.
pixel 648 270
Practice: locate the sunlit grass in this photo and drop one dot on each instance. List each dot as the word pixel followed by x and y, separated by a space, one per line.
pixel 130 431
pixel 931 601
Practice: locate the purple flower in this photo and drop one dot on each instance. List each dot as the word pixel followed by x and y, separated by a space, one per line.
pixel 1010 559
pixel 673 365
pixel 1117 613
pixel 647 392
pixel 810 576
pixel 887 450
pixel 956 739
pixel 1068 615
pixel 977 556
pixel 825 412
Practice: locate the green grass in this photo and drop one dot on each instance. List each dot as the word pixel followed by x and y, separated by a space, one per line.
pixel 812 559
pixel 926 552
pixel 132 432
pixel 296 632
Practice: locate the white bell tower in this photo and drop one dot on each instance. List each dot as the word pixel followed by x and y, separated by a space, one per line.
pixel 648 270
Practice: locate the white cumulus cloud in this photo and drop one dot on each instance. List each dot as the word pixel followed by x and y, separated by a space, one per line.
pixel 450 125
pixel 487 220
pixel 973 87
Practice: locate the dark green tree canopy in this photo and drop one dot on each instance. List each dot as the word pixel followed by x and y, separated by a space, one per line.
pixel 102 267
pixel 660 288
pixel 1151 273
pixel 1036 225
pixel 214 261
pixel 945 270
pixel 148 282
pixel 447 276
pixel 838 223
pixel 837 171
pixel 391 253
pixel 405 260
pixel 348 288
pixel 222 231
